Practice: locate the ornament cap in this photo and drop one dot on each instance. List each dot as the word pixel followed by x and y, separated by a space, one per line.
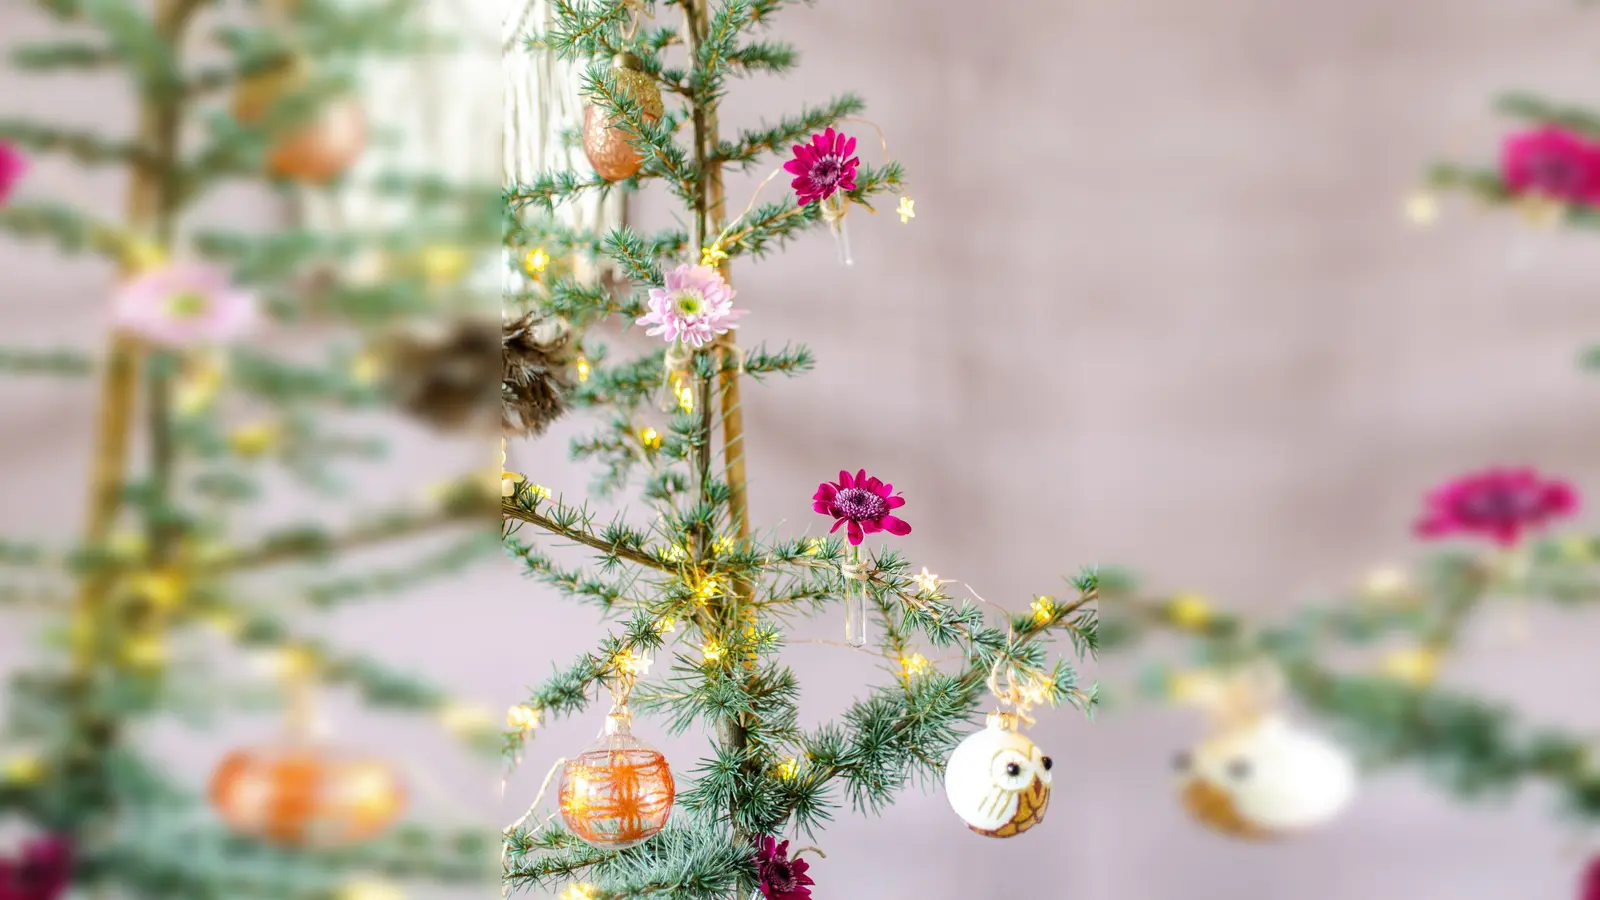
pixel 627 62
pixel 1004 721
pixel 619 721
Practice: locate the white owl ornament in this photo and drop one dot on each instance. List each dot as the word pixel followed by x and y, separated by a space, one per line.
pixel 1257 776
pixel 997 780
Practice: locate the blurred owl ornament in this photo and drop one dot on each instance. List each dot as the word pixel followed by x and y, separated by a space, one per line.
pixel 1257 776
pixel 997 780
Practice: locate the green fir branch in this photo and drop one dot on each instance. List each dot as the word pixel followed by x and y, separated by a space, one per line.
pixel 61 363
pixel 54 56
pixel 752 143
pixel 71 230
pixel 1528 106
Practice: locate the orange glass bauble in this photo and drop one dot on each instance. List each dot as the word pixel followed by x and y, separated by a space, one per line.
pixel 606 145
pixel 298 795
pixel 317 152
pixel 619 792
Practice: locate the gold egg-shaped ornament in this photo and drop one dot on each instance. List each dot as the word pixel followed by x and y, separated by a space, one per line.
pixel 1265 780
pixel 619 792
pixel 997 780
pixel 318 151
pixel 295 795
pixel 604 142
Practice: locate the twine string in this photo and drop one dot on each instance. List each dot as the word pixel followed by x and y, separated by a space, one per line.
pixel 505 849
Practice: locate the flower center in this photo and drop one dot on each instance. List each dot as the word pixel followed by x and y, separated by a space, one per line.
pixel 860 504
pixel 689 303
pixel 1503 504
pixel 828 171
pixel 187 305
pixel 780 876
pixel 1555 173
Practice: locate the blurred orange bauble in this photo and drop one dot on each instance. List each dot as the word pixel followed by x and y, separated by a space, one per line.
pixel 325 149
pixel 296 795
pixel 317 152
pixel 606 145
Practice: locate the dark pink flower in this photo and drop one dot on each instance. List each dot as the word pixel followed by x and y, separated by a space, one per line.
pixel 864 503
pixel 12 166
pixel 1500 504
pixel 1552 162
pixel 781 877
pixel 1589 889
pixel 823 166
pixel 42 872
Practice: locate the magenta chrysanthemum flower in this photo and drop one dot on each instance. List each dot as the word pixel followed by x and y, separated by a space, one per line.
pixel 182 305
pixel 1499 504
pixel 42 872
pixel 781 877
pixel 12 167
pixel 1552 162
pixel 861 502
pixel 824 166
pixel 695 306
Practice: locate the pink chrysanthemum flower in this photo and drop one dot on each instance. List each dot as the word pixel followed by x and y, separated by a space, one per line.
pixel 694 306
pixel 12 167
pixel 1552 162
pixel 1499 504
pixel 781 877
pixel 862 503
pixel 824 166
pixel 182 305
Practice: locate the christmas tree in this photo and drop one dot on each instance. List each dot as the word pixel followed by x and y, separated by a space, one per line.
pixel 235 475
pixel 696 588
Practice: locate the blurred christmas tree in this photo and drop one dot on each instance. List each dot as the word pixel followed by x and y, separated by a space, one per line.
pixel 228 396
pixel 1369 666
pixel 697 580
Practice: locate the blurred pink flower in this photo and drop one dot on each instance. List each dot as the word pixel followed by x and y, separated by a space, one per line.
pixel 42 872
pixel 695 305
pixel 1552 162
pixel 182 305
pixel 13 165
pixel 861 502
pixel 824 166
pixel 1590 888
pixel 1499 504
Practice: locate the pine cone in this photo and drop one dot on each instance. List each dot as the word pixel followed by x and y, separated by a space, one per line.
pixel 442 374
pixel 537 356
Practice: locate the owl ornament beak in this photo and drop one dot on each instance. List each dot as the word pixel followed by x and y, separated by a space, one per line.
pixel 1215 808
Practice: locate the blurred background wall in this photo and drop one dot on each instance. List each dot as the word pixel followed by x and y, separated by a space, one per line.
pixel 1159 309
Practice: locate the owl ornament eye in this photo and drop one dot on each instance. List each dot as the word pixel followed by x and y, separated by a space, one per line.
pixel 1265 779
pixel 997 781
